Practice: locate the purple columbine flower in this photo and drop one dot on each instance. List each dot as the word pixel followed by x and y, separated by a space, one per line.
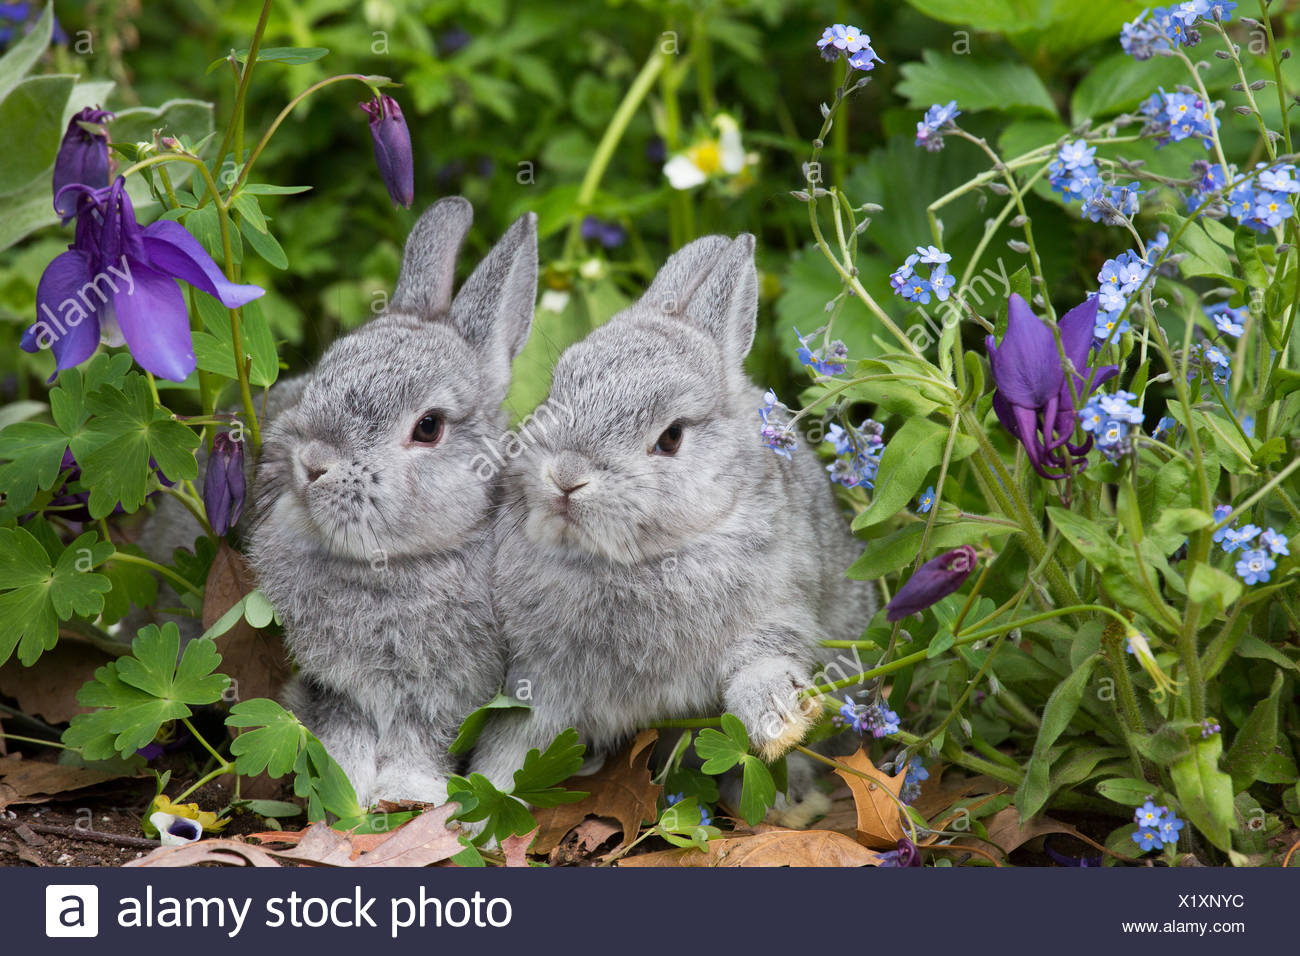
pixel 82 158
pixel 223 484
pixel 907 854
pixel 118 280
pixel 392 148
pixel 1033 400
pixel 932 582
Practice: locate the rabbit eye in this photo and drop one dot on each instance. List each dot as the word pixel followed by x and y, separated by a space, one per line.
pixel 670 440
pixel 428 430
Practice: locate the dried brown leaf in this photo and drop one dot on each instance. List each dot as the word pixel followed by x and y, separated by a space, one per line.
pixel 35 781
pixel 515 848
pixel 773 848
pixel 419 842
pixel 223 852
pixel 48 688
pixel 880 823
pixel 1005 830
pixel 621 790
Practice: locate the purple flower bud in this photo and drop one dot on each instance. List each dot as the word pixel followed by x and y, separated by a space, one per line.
pixel 223 485
pixel 82 158
pixel 392 149
pixel 932 582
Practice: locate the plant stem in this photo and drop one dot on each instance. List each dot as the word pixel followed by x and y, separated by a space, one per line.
pixel 157 569
pixel 245 76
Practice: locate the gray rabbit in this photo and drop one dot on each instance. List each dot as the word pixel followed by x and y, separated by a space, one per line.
pixel 654 559
pixel 370 525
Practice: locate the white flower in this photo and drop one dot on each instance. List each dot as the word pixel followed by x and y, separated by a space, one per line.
pixel 592 269
pixel 554 300
pixel 174 830
pixel 709 158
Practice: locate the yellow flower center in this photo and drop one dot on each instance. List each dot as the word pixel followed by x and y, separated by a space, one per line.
pixel 706 156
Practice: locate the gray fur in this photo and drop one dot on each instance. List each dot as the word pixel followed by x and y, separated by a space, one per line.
pixel 379 567
pixel 680 586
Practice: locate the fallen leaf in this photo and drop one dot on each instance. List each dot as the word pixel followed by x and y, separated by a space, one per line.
pixel 419 842
pixel 880 823
pixel 48 689
pixel 255 660
pixel 35 781
pixel 1005 830
pixel 223 852
pixel 621 790
pixel 773 848
pixel 583 841
pixel 515 848
pixel 24 853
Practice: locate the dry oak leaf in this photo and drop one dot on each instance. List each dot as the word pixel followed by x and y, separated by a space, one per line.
pixel 880 817
pixel 515 848
pixel 224 852
pixel 583 841
pixel 419 842
pixel 35 781
pixel 620 790
pixel 1005 830
pixel 772 848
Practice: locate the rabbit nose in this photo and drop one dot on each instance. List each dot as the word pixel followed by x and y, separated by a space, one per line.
pixel 314 473
pixel 569 486
pixel 569 473
pixel 316 462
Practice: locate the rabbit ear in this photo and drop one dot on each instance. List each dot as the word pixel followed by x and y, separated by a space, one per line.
pixel 429 264
pixel 494 309
pixel 712 284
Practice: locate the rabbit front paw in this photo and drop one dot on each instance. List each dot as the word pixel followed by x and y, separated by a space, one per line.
pixel 769 699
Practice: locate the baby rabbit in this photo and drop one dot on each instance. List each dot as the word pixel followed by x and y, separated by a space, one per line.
pixel 655 560
pixel 370 529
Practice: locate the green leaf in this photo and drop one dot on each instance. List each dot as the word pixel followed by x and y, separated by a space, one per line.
pixel 273 746
pixel 535 780
pixel 975 85
pixel 758 790
pixel 912 452
pixel 35 454
pixel 288 55
pixel 1256 739
pixel 40 593
pixel 214 352
pixel 473 725
pixel 1059 711
pixel 128 430
pixel 153 667
pixel 266 189
pixel 1204 255
pixel 140 692
pixel 322 781
pixel 479 800
pixel 263 243
pixel 1208 585
pixel 1205 791
pixel 1119 83
pixel 132 585
pixel 1127 791
pixel 20 57
pixel 885 555
pixel 32 114
pixel 722 749
pixel 275 809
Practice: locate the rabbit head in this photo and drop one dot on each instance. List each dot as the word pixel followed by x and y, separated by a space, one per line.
pixel 660 417
pixel 375 457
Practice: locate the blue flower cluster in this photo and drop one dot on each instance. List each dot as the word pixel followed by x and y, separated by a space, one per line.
pixel 841 40
pixel 1265 202
pixel 1108 419
pixel 776 432
pixel 1255 563
pixel 938 118
pixel 862 447
pixel 1209 180
pixel 1074 174
pixel 1209 728
pixel 1203 355
pixel 909 283
pixel 1229 321
pixel 916 772
pixel 1174 117
pixel 830 359
pixel 1163 28
pixel 876 719
pixel 1157 827
pixel 926 501
pixel 1120 279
